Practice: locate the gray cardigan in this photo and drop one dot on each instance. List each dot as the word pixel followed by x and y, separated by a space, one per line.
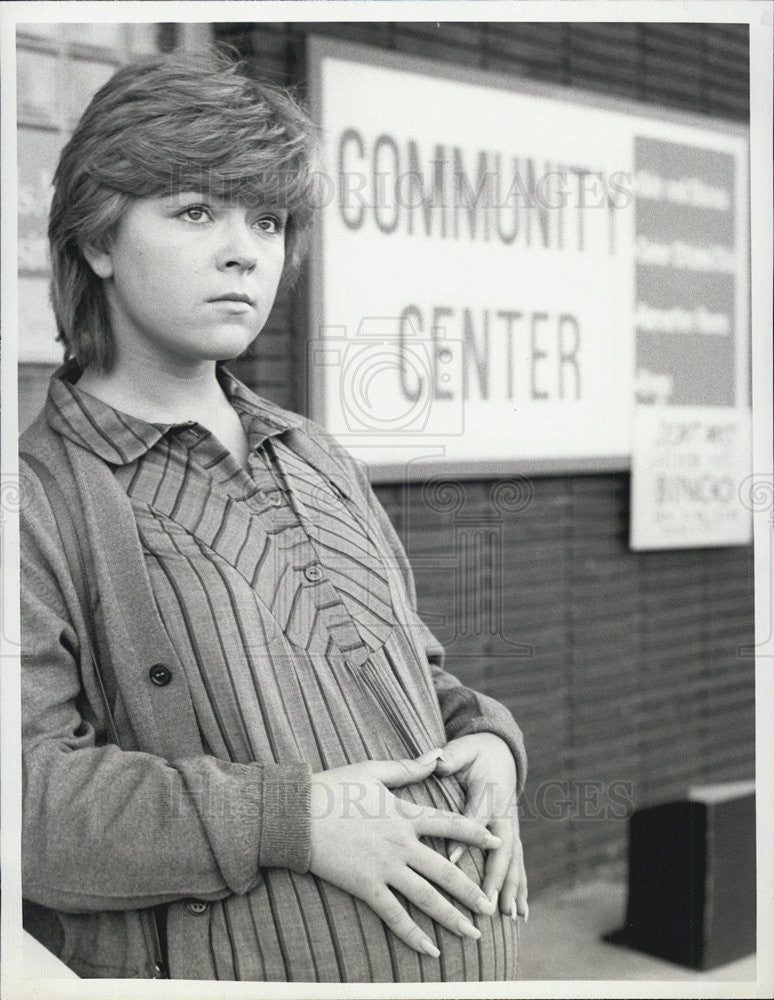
pixel 86 888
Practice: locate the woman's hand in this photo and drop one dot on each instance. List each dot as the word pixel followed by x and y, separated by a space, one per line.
pixel 484 766
pixel 366 841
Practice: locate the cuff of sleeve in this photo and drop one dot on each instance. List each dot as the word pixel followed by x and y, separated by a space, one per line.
pixel 286 817
pixel 510 734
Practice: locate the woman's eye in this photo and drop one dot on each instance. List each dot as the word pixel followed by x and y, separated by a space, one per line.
pixel 269 224
pixel 196 213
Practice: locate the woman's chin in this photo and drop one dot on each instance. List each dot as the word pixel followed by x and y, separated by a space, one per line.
pixel 227 344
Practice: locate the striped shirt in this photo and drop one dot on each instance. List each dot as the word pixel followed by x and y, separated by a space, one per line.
pixel 299 645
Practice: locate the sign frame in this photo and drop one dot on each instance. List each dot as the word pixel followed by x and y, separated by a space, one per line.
pixel 320 48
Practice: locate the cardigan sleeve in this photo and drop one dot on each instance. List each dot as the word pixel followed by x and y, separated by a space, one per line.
pixel 464 711
pixel 107 828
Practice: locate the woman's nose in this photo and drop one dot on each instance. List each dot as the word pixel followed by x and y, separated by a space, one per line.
pixel 238 251
pixel 240 263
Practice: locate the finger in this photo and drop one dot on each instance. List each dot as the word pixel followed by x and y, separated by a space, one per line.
pixel 395 916
pixel 479 809
pixel 427 898
pixel 522 905
pixel 396 773
pixel 513 895
pixel 429 822
pixel 455 850
pixel 498 862
pixel 456 757
pixel 437 869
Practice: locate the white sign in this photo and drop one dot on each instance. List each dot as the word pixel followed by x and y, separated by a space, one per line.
pixel 692 447
pixel 473 286
pixel 688 469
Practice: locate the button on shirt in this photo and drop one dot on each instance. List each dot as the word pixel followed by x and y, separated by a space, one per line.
pixel 297 645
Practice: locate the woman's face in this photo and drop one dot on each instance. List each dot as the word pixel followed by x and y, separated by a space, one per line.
pixel 190 278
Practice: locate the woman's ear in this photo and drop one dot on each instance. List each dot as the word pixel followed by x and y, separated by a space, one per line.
pixel 100 261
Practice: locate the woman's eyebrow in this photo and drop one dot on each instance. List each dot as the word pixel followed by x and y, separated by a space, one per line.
pixel 178 197
pixel 188 195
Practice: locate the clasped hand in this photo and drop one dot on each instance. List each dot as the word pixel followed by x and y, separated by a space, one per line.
pixel 484 766
pixel 366 841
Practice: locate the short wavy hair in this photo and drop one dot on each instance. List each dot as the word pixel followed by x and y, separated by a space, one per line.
pixel 177 122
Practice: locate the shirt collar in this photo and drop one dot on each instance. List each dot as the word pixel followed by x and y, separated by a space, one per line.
pixel 119 438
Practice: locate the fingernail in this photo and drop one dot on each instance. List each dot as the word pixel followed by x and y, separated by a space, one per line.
pixel 483 905
pixel 465 927
pixel 493 897
pixel 493 841
pixel 430 755
pixel 526 913
pixel 429 948
pixel 456 854
pixel 514 914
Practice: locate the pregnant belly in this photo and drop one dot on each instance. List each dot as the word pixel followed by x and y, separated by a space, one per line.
pixel 300 928
pixel 297 928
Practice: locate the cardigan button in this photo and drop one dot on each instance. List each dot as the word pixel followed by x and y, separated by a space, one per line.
pixel 313 573
pixel 197 906
pixel 160 675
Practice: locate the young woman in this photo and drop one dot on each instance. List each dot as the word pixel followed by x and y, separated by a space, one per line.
pixel 242 756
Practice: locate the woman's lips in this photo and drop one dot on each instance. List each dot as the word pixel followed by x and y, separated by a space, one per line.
pixel 233 297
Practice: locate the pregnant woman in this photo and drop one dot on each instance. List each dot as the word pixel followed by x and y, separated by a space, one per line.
pixel 243 758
